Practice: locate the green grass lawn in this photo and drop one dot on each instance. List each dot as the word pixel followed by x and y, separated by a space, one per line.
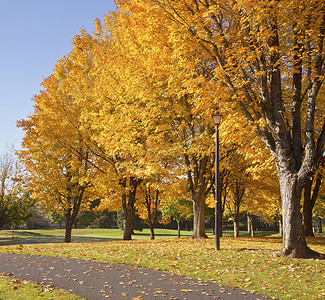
pixel 13 288
pixel 12 237
pixel 248 263
pixel 24 236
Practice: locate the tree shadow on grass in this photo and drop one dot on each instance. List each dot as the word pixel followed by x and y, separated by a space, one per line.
pixel 29 237
pixel 257 234
pixel 167 235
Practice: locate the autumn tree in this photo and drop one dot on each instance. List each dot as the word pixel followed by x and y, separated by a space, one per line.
pixel 176 128
pixel 270 57
pixel 189 91
pixel 55 154
pixel 124 125
pixel 158 69
pixel 58 180
pixel 15 201
pixel 175 202
pixel 176 209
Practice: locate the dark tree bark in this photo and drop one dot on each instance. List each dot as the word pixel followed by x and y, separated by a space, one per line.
pixel 178 228
pixel 128 201
pixel 72 211
pixel 310 197
pixel 127 208
pixel 68 228
pixel 152 232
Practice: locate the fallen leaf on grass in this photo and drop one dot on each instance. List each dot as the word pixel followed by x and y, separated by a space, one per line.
pixel 16 281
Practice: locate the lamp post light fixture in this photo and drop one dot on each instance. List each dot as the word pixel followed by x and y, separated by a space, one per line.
pixel 217 121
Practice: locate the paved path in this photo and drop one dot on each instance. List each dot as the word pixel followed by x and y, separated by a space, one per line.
pixel 96 280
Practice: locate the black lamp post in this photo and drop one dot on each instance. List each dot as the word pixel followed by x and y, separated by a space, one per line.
pixel 217 120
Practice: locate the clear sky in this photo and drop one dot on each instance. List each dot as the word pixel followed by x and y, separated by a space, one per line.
pixel 34 35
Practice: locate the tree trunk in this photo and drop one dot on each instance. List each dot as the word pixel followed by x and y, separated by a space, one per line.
pixel 72 212
pixel 238 190
pixel 294 244
pixel 68 232
pixel 308 209
pixel 250 225
pixel 198 178
pixel 320 228
pixel 281 226
pixel 152 231
pixel 252 228
pixel 310 197
pixel 236 225
pixel 128 201
pixel 236 214
pixel 68 228
pixel 187 225
pixel 199 218
pixel 127 221
pixel 178 228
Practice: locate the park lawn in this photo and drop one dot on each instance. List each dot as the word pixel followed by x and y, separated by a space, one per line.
pixel 34 236
pixel 248 263
pixel 13 288
pixel 8 237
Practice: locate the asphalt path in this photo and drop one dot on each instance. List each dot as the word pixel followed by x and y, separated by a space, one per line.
pixel 98 280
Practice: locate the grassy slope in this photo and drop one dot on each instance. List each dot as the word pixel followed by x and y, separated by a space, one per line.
pixel 243 262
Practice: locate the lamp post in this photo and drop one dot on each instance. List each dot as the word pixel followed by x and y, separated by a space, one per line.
pixel 217 120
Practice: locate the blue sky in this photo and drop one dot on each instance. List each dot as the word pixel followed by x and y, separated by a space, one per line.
pixel 34 35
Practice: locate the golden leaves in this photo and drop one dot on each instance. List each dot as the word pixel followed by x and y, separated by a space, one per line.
pixel 140 93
